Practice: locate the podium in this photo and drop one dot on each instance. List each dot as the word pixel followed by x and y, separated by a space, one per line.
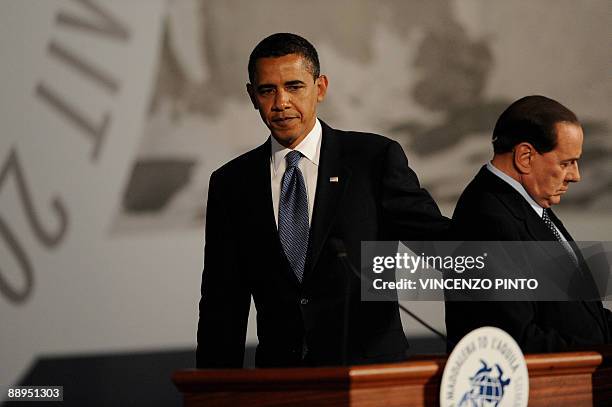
pixel 582 378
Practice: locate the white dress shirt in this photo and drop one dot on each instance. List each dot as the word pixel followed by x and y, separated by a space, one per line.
pixel 310 148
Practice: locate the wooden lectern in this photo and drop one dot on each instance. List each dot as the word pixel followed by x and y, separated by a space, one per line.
pixel 555 379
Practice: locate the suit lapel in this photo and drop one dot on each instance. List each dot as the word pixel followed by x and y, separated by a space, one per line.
pixel 539 231
pixel 594 307
pixel 263 194
pixel 516 204
pixel 570 240
pixel 535 227
pixel 332 180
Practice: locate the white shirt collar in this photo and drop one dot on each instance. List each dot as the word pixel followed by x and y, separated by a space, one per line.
pixel 310 147
pixel 516 185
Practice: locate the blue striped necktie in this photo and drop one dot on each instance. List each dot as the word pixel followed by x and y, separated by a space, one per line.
pixel 293 215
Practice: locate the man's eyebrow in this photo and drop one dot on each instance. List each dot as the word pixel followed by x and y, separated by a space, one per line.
pixel 265 86
pixel 573 158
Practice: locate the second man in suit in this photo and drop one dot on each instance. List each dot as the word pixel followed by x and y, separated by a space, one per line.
pixel 274 214
pixel 537 143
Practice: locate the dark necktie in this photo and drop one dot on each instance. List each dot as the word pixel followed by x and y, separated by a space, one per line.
pixel 549 223
pixel 293 215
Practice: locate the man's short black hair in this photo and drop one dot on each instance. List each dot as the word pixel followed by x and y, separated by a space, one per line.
pixel 281 44
pixel 531 119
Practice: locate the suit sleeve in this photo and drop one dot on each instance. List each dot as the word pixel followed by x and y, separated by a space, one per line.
pixel 225 301
pixel 409 211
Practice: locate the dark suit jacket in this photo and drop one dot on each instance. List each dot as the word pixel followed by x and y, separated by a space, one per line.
pixel 491 210
pixel 378 197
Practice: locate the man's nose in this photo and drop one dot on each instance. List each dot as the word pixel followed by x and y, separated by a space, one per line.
pixel 281 100
pixel 573 175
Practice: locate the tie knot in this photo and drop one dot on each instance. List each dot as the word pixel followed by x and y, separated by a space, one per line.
pixel 545 214
pixel 293 158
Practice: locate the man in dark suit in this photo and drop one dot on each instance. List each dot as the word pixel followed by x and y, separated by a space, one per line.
pixel 537 143
pixel 274 214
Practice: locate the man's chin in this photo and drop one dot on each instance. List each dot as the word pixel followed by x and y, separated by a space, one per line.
pixel 553 200
pixel 285 139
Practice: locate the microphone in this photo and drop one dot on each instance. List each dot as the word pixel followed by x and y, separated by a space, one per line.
pixel 338 246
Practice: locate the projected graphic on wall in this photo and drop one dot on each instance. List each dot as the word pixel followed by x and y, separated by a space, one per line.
pixel 428 74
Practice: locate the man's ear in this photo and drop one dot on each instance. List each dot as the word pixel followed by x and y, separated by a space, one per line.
pixel 321 83
pixel 251 92
pixel 523 156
